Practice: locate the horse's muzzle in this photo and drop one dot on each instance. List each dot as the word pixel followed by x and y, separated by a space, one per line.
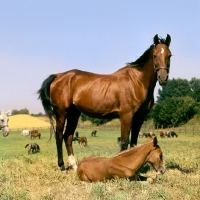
pixel 5 134
pixel 5 131
pixel 162 83
pixel 162 79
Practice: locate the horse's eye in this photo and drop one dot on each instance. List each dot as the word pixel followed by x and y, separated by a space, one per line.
pixel 2 120
pixel 161 156
pixel 154 56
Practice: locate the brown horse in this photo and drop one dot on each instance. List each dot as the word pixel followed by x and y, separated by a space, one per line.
pixel 82 141
pixel 35 134
pixel 126 164
pixel 34 147
pixel 94 132
pixel 127 94
pixel 163 134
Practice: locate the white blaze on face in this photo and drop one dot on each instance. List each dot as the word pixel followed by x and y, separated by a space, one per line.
pixel 162 50
pixel 72 162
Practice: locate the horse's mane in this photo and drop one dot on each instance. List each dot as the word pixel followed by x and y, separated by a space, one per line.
pixel 143 58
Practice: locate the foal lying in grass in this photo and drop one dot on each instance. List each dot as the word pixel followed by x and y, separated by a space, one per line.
pixel 126 164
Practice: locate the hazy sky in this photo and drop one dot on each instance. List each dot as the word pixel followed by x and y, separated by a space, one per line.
pixel 41 37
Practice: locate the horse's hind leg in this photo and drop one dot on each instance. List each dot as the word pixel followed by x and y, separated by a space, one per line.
pixel 60 121
pixel 72 121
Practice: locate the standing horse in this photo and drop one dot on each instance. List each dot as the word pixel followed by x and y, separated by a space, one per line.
pixel 82 141
pixel 126 164
pixel 25 132
pixel 34 135
pixel 4 122
pixel 126 94
pixel 94 132
pixel 34 147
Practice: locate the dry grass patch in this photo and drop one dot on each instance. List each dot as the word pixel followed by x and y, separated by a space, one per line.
pixel 26 121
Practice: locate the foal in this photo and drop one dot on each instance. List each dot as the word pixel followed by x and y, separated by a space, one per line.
pixel 126 164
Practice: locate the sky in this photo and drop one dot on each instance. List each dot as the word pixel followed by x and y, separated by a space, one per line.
pixel 42 37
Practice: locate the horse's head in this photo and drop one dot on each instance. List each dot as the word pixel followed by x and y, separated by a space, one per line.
pixel 4 123
pixel 161 58
pixel 155 158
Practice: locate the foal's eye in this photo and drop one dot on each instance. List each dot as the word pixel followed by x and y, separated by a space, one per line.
pixel 154 56
pixel 161 156
pixel 2 120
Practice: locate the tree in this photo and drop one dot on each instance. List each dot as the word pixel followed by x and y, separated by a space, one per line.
pixel 175 88
pixel 195 87
pixel 174 111
pixel 22 111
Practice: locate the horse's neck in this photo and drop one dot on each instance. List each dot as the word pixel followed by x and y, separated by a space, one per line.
pixel 147 75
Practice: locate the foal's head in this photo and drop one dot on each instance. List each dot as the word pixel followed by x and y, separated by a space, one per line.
pixel 161 58
pixel 155 158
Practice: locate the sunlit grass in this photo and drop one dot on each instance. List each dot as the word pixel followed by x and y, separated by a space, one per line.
pixel 37 176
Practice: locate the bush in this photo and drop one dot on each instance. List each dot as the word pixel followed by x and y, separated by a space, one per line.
pixel 174 111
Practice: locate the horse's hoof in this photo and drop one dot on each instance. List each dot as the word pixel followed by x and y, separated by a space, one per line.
pixel 62 168
pixel 69 168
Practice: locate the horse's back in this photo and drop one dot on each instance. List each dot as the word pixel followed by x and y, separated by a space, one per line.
pixel 80 89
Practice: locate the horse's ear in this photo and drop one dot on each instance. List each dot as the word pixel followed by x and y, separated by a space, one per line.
pixel 8 112
pixel 156 39
pixel 168 40
pixel 155 141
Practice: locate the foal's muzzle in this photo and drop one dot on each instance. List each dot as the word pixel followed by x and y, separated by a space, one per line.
pixel 161 170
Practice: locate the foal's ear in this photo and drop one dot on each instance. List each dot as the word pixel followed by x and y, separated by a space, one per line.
pixel 168 40
pixel 156 39
pixel 155 141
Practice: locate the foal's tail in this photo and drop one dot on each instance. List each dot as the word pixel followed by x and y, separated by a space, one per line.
pixel 26 145
pixel 44 96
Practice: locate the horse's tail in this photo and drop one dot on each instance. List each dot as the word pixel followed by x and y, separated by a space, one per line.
pixel 44 96
pixel 26 145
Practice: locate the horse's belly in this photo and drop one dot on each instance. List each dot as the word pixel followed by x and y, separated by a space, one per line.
pixel 98 109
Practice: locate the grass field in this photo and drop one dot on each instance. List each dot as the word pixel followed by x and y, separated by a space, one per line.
pixel 37 176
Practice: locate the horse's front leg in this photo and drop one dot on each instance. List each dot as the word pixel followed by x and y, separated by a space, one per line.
pixel 125 130
pixel 135 129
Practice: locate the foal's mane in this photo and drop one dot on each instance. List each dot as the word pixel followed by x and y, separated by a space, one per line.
pixel 143 58
pixel 133 149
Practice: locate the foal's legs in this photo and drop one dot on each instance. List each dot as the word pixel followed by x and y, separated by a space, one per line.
pixel 72 121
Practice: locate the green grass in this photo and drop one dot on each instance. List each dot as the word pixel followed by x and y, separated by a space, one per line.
pixel 37 176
